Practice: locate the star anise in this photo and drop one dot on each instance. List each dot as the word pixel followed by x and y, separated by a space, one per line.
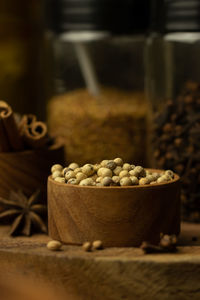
pixel 24 213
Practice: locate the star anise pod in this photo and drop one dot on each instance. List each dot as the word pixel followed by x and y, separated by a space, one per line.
pixel 24 213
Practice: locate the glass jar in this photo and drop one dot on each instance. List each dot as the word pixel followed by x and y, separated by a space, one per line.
pixel 21 55
pixel 98 107
pixel 173 88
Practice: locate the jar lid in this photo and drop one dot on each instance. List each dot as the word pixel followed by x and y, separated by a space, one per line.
pixel 116 16
pixel 176 16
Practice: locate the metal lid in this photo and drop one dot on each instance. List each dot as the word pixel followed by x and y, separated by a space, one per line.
pixel 117 16
pixel 176 15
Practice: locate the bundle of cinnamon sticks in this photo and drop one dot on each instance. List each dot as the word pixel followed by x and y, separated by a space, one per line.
pixel 27 133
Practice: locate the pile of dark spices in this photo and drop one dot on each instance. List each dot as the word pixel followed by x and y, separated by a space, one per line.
pixel 176 143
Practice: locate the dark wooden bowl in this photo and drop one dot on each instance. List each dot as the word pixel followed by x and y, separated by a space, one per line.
pixel 28 170
pixel 119 216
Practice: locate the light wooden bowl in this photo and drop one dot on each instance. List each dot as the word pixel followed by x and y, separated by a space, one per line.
pixel 28 170
pixel 118 216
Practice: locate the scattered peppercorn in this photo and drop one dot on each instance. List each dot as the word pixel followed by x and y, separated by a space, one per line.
pixel 87 246
pixel 54 245
pixel 97 245
pixel 167 244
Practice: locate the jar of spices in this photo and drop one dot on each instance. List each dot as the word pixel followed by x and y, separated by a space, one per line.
pixel 98 106
pixel 173 86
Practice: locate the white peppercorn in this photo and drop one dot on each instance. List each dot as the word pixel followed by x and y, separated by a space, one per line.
pixel 87 182
pixel 161 180
pixel 73 166
pixel 140 170
pixel 169 173
pixel 60 179
pixel 99 179
pixel 65 170
pixel 97 245
pixel 156 175
pixel 104 172
pixel 132 167
pixel 148 173
pixel 124 173
pixel 104 162
pixel 125 181
pixel 56 174
pixel 117 170
pixel 134 173
pixel 88 169
pixel 118 161
pixel 80 176
pixel 127 167
pixel 73 181
pixel 166 177
pixel 134 180
pixel 69 175
pixel 94 177
pixel 116 179
pixel 99 184
pixel 143 181
pixel 56 167
pixel 54 245
pixel 97 167
pixel 87 246
pixel 77 170
pixel 107 181
pixel 111 165
pixel 150 178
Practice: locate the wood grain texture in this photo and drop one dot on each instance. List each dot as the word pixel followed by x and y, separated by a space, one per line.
pixel 119 216
pixel 111 274
pixel 28 170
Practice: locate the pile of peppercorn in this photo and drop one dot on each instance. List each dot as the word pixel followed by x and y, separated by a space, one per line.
pixel 176 143
pixel 109 173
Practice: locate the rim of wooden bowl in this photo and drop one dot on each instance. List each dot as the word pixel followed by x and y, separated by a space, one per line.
pixel 146 186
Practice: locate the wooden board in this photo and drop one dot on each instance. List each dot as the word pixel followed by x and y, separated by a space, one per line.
pixel 112 273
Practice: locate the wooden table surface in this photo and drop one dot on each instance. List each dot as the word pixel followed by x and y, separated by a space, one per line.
pixel 112 273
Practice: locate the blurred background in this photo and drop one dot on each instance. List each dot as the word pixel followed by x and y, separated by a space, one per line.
pixel 31 72
pixel 80 61
pixel 22 76
pixel 99 71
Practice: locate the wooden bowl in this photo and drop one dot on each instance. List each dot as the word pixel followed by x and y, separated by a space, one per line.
pixel 28 170
pixel 118 216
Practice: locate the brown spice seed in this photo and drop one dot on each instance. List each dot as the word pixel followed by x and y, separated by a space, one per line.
pixel 173 117
pixel 167 128
pixel 178 129
pixel 188 100
pixel 179 168
pixel 178 142
pixel 169 155
pixel 190 149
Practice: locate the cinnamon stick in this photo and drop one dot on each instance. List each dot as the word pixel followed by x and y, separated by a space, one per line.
pixel 26 121
pixel 4 143
pixel 34 132
pixel 10 138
